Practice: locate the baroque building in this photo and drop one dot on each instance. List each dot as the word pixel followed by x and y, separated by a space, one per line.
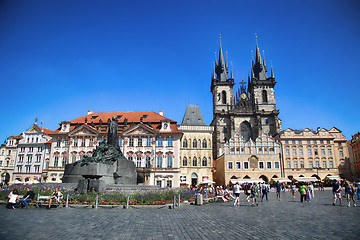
pixel 308 153
pixel 33 150
pixel 149 139
pixel 7 158
pixel 196 162
pixel 250 111
pixel 354 148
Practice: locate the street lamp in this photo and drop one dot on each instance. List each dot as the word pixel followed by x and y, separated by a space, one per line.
pixel 317 170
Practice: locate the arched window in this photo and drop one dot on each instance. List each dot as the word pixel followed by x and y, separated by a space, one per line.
pixel 204 144
pixel 184 161
pixel 194 162
pixel 185 143
pixel 204 162
pixel 194 143
pixel 264 96
pixel 223 97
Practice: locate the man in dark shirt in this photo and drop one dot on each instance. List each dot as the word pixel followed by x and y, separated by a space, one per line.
pixel 337 192
pixel 27 198
pixel 278 190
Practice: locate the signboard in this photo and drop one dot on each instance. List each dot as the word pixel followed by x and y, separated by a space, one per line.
pixel 205 178
pixel 253 162
pixel 182 179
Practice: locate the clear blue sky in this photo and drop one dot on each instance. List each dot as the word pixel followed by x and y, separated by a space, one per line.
pixel 60 58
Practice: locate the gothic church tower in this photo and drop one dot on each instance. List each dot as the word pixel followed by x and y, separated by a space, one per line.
pixel 251 112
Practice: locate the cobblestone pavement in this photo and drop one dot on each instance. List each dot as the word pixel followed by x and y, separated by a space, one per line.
pixel 285 219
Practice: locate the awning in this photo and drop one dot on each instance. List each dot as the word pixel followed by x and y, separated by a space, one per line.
pixel 233 181
pixel 333 178
pixel 306 179
pixel 281 180
pixel 207 182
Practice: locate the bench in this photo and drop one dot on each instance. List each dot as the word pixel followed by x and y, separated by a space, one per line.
pixel 43 200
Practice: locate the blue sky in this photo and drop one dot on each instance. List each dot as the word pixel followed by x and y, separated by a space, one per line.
pixel 59 59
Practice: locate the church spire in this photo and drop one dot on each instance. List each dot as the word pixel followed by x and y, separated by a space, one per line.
pixel 221 68
pixel 272 72
pixel 258 67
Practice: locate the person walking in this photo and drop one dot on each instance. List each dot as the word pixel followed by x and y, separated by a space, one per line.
pixel 311 190
pixel 278 191
pixel 358 190
pixel 336 189
pixel 265 190
pixel 302 190
pixel 254 194
pixel 350 191
pixel 237 194
pixel 293 189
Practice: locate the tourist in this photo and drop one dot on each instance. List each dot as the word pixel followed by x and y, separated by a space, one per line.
pixel 358 190
pixel 265 190
pixel 29 196
pixel 248 191
pixel 293 189
pixel 278 191
pixel 322 186
pixel 302 190
pixel 350 190
pixel 236 190
pixel 311 190
pixel 220 194
pixel 13 199
pixel 56 196
pixel 254 194
pixel 336 189
pixel 308 194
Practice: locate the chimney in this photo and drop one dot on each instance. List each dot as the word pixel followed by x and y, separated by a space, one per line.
pixel 161 113
pixel 90 112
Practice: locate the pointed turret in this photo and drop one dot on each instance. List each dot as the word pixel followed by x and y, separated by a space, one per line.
pixel 258 67
pixel 221 68
pixel 272 73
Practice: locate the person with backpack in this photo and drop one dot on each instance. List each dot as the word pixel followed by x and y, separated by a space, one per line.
pixel 236 190
pixel 265 190
pixel 254 193
pixel 302 190
pixel 350 191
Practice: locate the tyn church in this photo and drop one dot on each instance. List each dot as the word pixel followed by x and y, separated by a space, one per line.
pixel 250 111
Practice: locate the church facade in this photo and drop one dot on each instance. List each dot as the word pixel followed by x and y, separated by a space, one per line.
pixel 243 118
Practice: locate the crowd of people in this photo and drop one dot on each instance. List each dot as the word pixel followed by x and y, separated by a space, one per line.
pixel 256 192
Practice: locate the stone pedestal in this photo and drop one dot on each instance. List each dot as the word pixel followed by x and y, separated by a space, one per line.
pixel 126 172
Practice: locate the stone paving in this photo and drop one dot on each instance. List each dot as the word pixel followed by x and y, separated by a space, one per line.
pixel 285 219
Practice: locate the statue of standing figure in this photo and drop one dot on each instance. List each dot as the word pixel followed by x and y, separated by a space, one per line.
pixel 107 152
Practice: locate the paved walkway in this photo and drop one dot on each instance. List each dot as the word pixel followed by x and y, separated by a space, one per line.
pixel 287 219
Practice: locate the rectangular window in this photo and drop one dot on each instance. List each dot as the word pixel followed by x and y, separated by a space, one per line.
pixel 140 142
pixel 302 165
pixel 294 152
pixel 286 141
pixel 21 158
pixel 130 158
pixel 131 142
pixel 316 152
pixel 308 142
pixel 31 149
pixel 73 158
pixel 38 158
pixel 40 149
pixel 268 165
pixel 56 161
pixel 341 153
pixel 58 143
pixel 160 142
pixel 83 142
pixel 230 165
pixel 27 169
pixel 339 144
pixel 159 162
pixel 158 183
pixel 169 162
pixel 301 152
pixel 300 142
pixel 293 142
pixel 138 161
pixel 261 165
pixel 311 165
pixel 329 152
pixel 323 152
pixel 324 164
pixel 277 165
pixel 238 165
pixel 66 142
pixel 147 162
pixel 37 168
pixel 246 165
pixel 148 142
pixel 317 164
pixel 22 149
pixel 76 142
pixel 19 168
pixel 288 164
pixel 120 142
pixel 287 152
pixel 169 183
pixel 309 152
pixel 170 142
pixel 29 158
pixel 328 141
pixel 91 142
pixel 315 142
pixel 321 141
pixel 331 164
pixel 296 164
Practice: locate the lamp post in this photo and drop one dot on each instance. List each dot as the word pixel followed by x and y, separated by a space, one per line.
pixel 317 170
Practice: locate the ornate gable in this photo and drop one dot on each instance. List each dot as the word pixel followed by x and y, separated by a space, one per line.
pixel 84 130
pixel 139 129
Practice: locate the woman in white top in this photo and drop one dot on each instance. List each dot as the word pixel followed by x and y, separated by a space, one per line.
pixel 13 197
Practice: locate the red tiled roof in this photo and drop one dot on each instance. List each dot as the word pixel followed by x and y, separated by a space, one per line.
pixel 47 131
pixel 16 137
